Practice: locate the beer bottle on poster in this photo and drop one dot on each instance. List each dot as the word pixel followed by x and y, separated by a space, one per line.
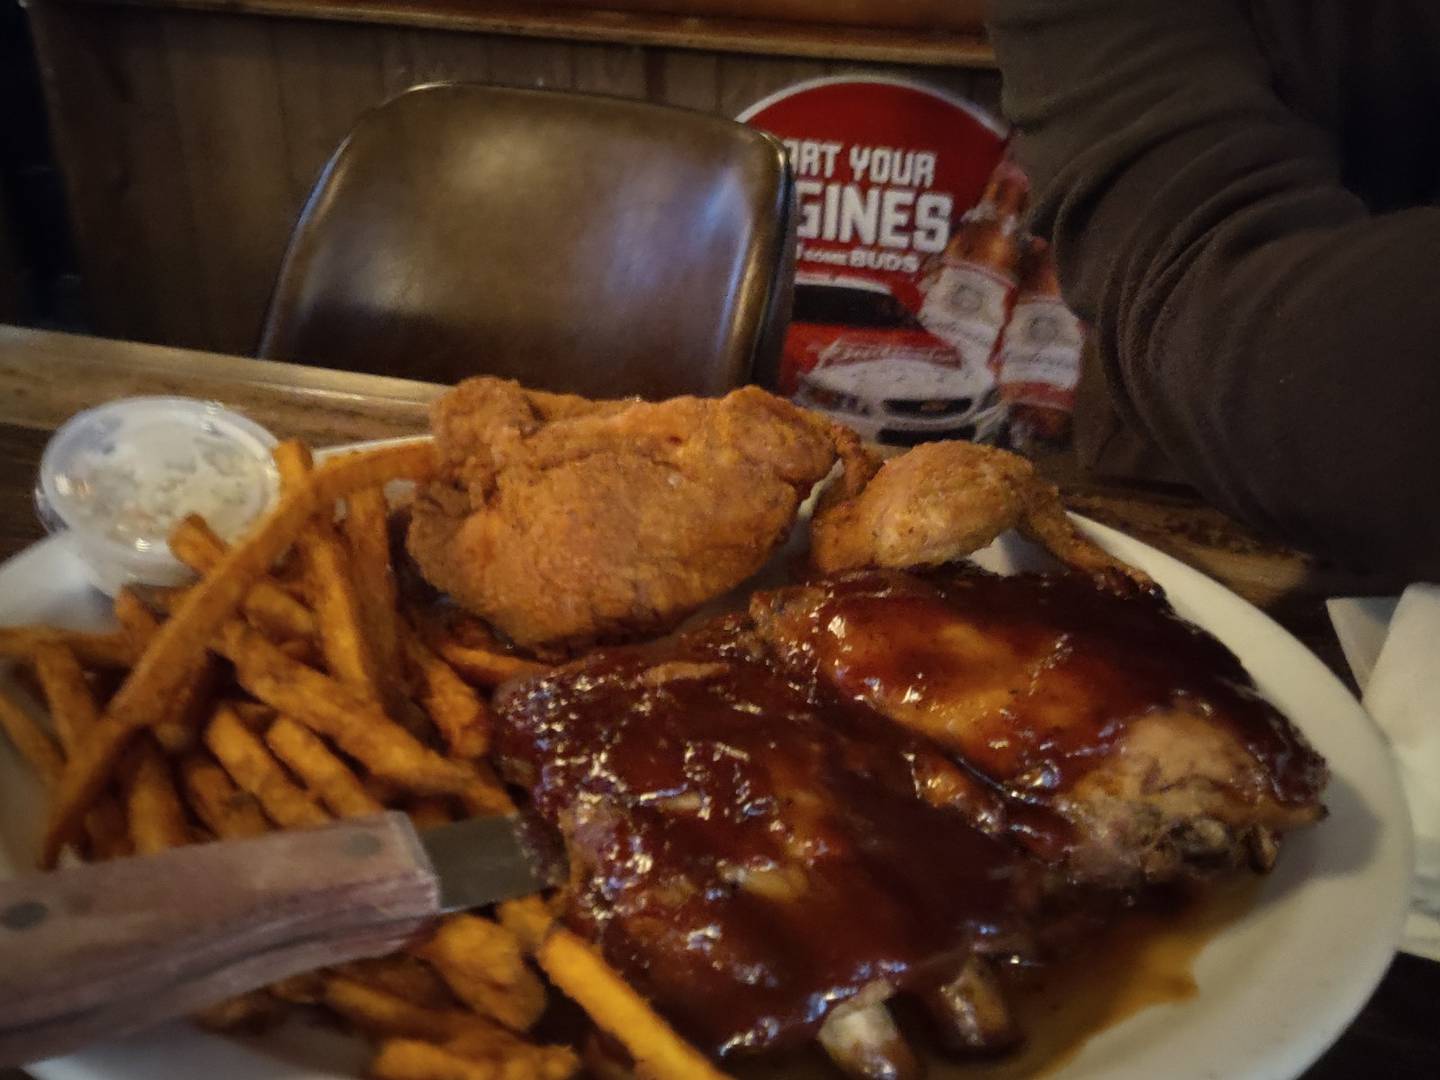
pixel 1040 356
pixel 969 301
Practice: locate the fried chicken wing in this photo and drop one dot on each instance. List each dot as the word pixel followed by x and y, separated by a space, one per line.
pixel 1130 746
pixel 563 521
pixel 941 501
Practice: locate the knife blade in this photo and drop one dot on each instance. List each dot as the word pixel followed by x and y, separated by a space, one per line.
pixel 103 949
pixel 482 860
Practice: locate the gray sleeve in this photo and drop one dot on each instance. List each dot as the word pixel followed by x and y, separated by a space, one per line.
pixel 1255 321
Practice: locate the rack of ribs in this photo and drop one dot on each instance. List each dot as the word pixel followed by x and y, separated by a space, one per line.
pixel 1127 745
pixel 883 783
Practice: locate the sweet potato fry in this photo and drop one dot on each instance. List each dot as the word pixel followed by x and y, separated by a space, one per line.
pixel 268 606
pixel 32 742
pixel 73 711
pixel 484 667
pixel 485 967
pixel 327 777
pixel 402 976
pixel 485 795
pixel 162 599
pixel 376 1011
pixel 304 989
pixel 579 971
pixel 255 770
pixel 430 811
pixel 469 646
pixel 366 529
pixel 153 807
pixel 188 709
pixel 411 715
pixel 414 1059
pixel 252 714
pixel 228 812
pixel 383 791
pixel 515 1058
pixel 353 723
pixel 135 618
pixel 294 462
pixel 111 649
pixel 107 834
pixel 528 918
pixel 330 587
pixel 459 713
pixel 469 1036
pixel 333 595
pixel 247 1014
pixel 302 652
pixel 278 615
pixel 178 648
pixel 175 654
pixel 342 475
pixel 195 544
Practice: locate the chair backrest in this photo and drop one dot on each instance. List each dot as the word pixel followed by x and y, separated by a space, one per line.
pixel 574 242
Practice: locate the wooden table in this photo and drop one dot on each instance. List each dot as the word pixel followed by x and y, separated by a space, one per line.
pixel 45 377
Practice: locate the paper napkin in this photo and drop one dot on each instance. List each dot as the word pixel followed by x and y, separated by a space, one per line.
pixel 1394 650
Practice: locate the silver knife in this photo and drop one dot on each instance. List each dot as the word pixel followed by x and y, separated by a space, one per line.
pixel 104 949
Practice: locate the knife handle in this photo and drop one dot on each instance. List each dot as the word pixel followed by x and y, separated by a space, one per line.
pixel 108 948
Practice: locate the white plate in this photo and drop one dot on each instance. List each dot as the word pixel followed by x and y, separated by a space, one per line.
pixel 1276 987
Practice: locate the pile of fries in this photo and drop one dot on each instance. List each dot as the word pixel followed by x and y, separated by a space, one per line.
pixel 292 685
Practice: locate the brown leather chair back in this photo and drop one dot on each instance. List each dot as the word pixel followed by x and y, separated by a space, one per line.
pixel 573 242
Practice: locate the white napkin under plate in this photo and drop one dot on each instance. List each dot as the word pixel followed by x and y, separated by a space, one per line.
pixel 1393 647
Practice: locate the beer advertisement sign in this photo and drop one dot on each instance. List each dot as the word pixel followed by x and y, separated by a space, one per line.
pixel 915 286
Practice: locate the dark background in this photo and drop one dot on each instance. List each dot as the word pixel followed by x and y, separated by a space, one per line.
pixel 39 283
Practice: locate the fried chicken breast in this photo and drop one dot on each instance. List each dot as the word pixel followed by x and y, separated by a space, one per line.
pixel 564 521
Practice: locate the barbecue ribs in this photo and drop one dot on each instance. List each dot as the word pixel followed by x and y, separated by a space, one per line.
pixel 1139 732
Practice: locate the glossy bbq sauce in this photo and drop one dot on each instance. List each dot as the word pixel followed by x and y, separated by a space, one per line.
pixel 750 847
pixel 744 856
pixel 1046 670
pixel 1141 959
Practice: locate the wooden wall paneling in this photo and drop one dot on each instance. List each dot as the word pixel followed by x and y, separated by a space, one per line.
pixel 236 154
pixel 744 80
pixel 329 74
pixel 979 87
pixel 917 14
pixel 533 63
pixel 414 57
pixel 619 70
pixel 685 78
pixel 926 40
pixel 114 121
pixel 397 60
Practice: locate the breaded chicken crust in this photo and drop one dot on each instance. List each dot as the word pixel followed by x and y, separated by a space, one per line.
pixel 564 521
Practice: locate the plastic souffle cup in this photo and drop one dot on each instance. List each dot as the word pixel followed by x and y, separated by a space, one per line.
pixel 118 477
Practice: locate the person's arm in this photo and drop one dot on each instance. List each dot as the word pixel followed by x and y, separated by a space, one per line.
pixel 1276 340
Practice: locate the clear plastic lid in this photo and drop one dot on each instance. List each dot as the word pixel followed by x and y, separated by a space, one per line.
pixel 118 477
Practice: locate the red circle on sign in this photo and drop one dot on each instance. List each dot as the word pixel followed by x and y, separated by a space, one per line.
pixel 884 170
